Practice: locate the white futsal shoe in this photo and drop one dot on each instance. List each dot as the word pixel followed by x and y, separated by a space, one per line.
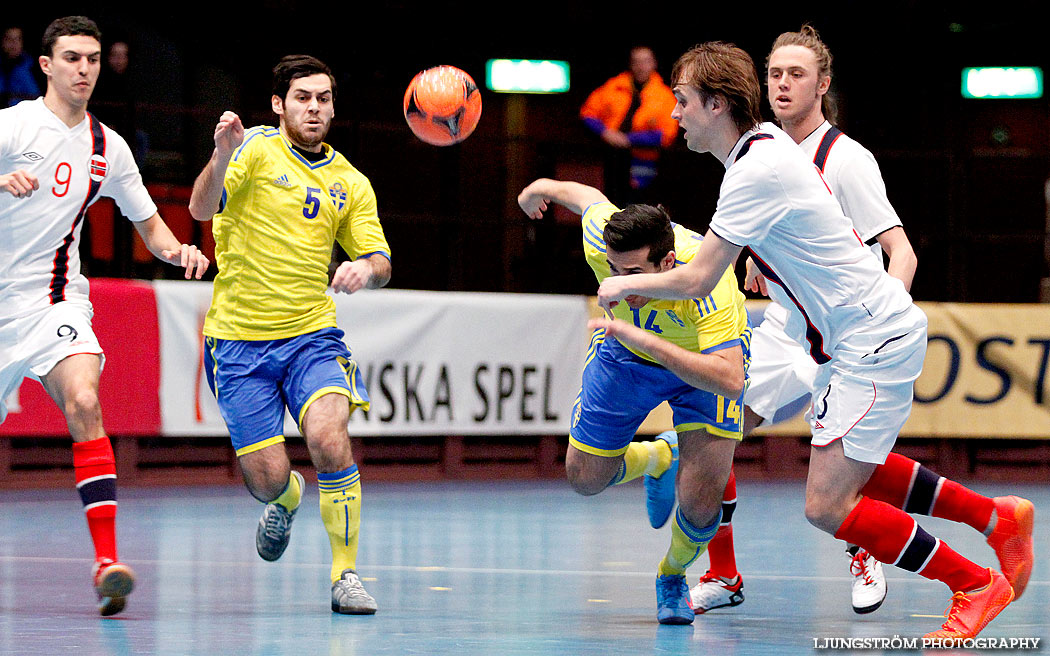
pixel 869 583
pixel 349 596
pixel 715 592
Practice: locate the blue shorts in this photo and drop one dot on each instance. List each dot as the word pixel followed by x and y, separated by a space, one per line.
pixel 254 381
pixel 620 389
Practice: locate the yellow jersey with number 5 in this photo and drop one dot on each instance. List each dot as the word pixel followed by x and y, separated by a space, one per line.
pixel 279 216
pixel 700 324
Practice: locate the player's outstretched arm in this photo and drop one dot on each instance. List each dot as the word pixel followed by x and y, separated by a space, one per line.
pixel 20 184
pixel 694 279
pixel 719 372
pixel 372 272
pixel 165 247
pixel 207 188
pixel 535 198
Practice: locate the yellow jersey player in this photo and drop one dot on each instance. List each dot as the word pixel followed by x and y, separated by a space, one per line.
pixel 280 197
pixel 692 354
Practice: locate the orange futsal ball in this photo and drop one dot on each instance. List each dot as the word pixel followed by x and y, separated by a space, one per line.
pixel 442 105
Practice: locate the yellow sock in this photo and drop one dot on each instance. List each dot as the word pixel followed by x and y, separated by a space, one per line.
pixel 292 495
pixel 341 514
pixel 687 544
pixel 653 458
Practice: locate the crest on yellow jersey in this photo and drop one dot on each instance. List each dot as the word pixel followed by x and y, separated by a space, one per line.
pixel 338 194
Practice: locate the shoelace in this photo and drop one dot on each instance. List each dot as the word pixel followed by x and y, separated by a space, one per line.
pixel 353 587
pixel 670 584
pixel 708 577
pixel 956 605
pixel 711 593
pixel 859 567
pixel 276 523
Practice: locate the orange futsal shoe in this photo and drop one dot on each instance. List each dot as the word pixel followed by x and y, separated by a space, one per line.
pixel 1012 540
pixel 970 612
pixel 113 583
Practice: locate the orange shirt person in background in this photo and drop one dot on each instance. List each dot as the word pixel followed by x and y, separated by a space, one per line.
pixel 632 113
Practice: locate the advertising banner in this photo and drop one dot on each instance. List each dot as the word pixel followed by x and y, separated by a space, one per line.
pixel 435 363
pixel 450 363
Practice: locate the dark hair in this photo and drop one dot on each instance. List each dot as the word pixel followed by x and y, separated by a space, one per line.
pixel 807 37
pixel 638 226
pixel 717 68
pixel 293 67
pixel 68 26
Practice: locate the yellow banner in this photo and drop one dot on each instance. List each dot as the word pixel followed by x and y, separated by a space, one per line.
pixel 985 375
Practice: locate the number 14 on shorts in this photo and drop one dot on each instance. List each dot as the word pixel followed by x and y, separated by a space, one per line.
pixel 727 409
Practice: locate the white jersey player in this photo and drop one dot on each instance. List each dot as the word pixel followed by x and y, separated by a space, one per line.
pixel 798 74
pixel 786 372
pixel 55 160
pixel 853 319
pixel 798 78
pixel 39 255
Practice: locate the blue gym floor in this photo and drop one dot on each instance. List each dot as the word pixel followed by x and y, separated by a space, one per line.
pixel 456 568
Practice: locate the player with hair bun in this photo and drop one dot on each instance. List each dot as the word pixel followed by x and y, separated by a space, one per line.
pixel 798 76
pixel 854 320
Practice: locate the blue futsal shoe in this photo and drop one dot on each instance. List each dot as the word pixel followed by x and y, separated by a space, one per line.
pixel 673 604
pixel 659 492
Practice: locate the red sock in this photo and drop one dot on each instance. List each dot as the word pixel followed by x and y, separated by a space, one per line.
pixel 96 476
pixel 960 574
pixel 961 504
pixel 720 551
pixel 891 482
pixel 905 484
pixel 720 548
pixel 893 537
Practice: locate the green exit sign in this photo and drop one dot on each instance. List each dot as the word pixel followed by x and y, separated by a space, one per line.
pixel 1002 82
pixel 527 76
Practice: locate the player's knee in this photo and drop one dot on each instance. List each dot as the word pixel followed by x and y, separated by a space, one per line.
pixel 265 484
pixel 700 511
pixel 820 512
pixel 265 489
pixel 582 480
pixel 331 452
pixel 82 407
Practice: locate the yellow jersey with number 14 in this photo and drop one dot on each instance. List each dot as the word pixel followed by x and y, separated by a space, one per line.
pixel 700 325
pixel 278 218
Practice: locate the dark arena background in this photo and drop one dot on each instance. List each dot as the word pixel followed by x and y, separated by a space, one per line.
pixel 472 541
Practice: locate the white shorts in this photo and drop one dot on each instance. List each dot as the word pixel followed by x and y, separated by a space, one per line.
pixel 864 395
pixel 781 371
pixel 32 345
